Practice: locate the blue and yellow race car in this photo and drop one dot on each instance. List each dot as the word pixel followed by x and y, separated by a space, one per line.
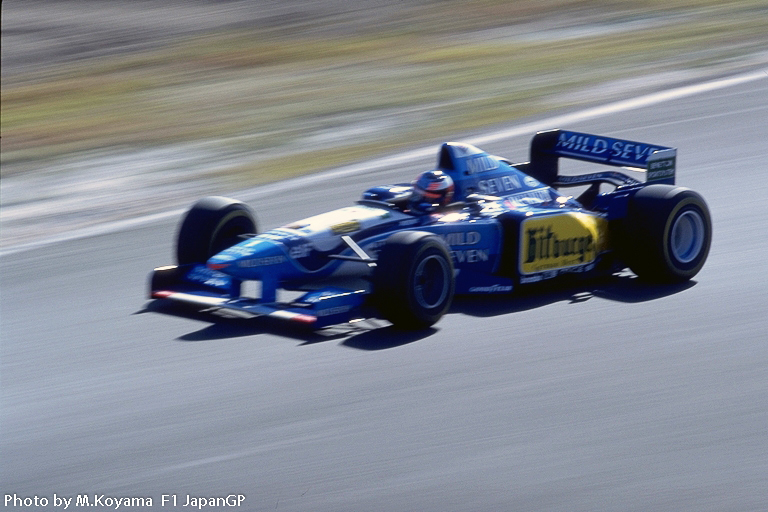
pixel 476 224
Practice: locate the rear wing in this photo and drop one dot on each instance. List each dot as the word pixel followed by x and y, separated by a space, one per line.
pixel 658 162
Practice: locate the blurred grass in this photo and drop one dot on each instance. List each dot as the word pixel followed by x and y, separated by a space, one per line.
pixel 425 77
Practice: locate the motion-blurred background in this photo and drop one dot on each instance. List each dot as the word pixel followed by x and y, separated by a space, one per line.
pixel 116 109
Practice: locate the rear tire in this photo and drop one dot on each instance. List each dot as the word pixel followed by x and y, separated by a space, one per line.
pixel 669 233
pixel 413 279
pixel 212 224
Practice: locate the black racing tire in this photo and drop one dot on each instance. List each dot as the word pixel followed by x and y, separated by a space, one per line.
pixel 669 232
pixel 413 281
pixel 212 224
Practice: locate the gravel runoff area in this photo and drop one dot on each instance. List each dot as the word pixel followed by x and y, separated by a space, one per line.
pixel 42 33
pixel 39 36
pixel 84 189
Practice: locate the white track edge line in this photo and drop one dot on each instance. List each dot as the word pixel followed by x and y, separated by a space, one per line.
pixel 409 156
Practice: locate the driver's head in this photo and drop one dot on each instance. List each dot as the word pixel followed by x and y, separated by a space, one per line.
pixel 431 190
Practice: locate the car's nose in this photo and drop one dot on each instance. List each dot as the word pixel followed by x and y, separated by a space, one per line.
pixel 249 259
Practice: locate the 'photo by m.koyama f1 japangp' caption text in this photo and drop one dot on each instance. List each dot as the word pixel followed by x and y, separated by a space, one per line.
pixel 117 502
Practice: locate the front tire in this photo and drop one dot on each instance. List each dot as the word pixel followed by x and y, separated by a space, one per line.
pixel 669 233
pixel 212 224
pixel 413 279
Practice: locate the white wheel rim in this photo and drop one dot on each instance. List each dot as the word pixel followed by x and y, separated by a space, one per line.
pixel 687 236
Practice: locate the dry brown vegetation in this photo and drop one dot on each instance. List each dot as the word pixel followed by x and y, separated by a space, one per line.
pixel 425 74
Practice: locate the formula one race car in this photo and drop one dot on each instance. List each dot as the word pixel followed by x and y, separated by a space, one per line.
pixel 477 224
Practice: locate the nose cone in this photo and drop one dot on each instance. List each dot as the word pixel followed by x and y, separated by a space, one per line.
pixel 249 259
pixel 221 261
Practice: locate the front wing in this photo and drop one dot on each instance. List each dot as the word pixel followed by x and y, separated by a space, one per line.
pixel 213 291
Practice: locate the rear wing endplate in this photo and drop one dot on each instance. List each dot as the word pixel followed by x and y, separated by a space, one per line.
pixel 658 162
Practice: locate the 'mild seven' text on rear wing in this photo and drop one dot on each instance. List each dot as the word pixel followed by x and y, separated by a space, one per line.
pixel 658 162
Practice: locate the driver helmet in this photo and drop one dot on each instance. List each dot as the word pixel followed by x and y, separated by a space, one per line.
pixel 431 190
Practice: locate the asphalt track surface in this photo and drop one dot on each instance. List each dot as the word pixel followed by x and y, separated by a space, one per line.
pixel 610 396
